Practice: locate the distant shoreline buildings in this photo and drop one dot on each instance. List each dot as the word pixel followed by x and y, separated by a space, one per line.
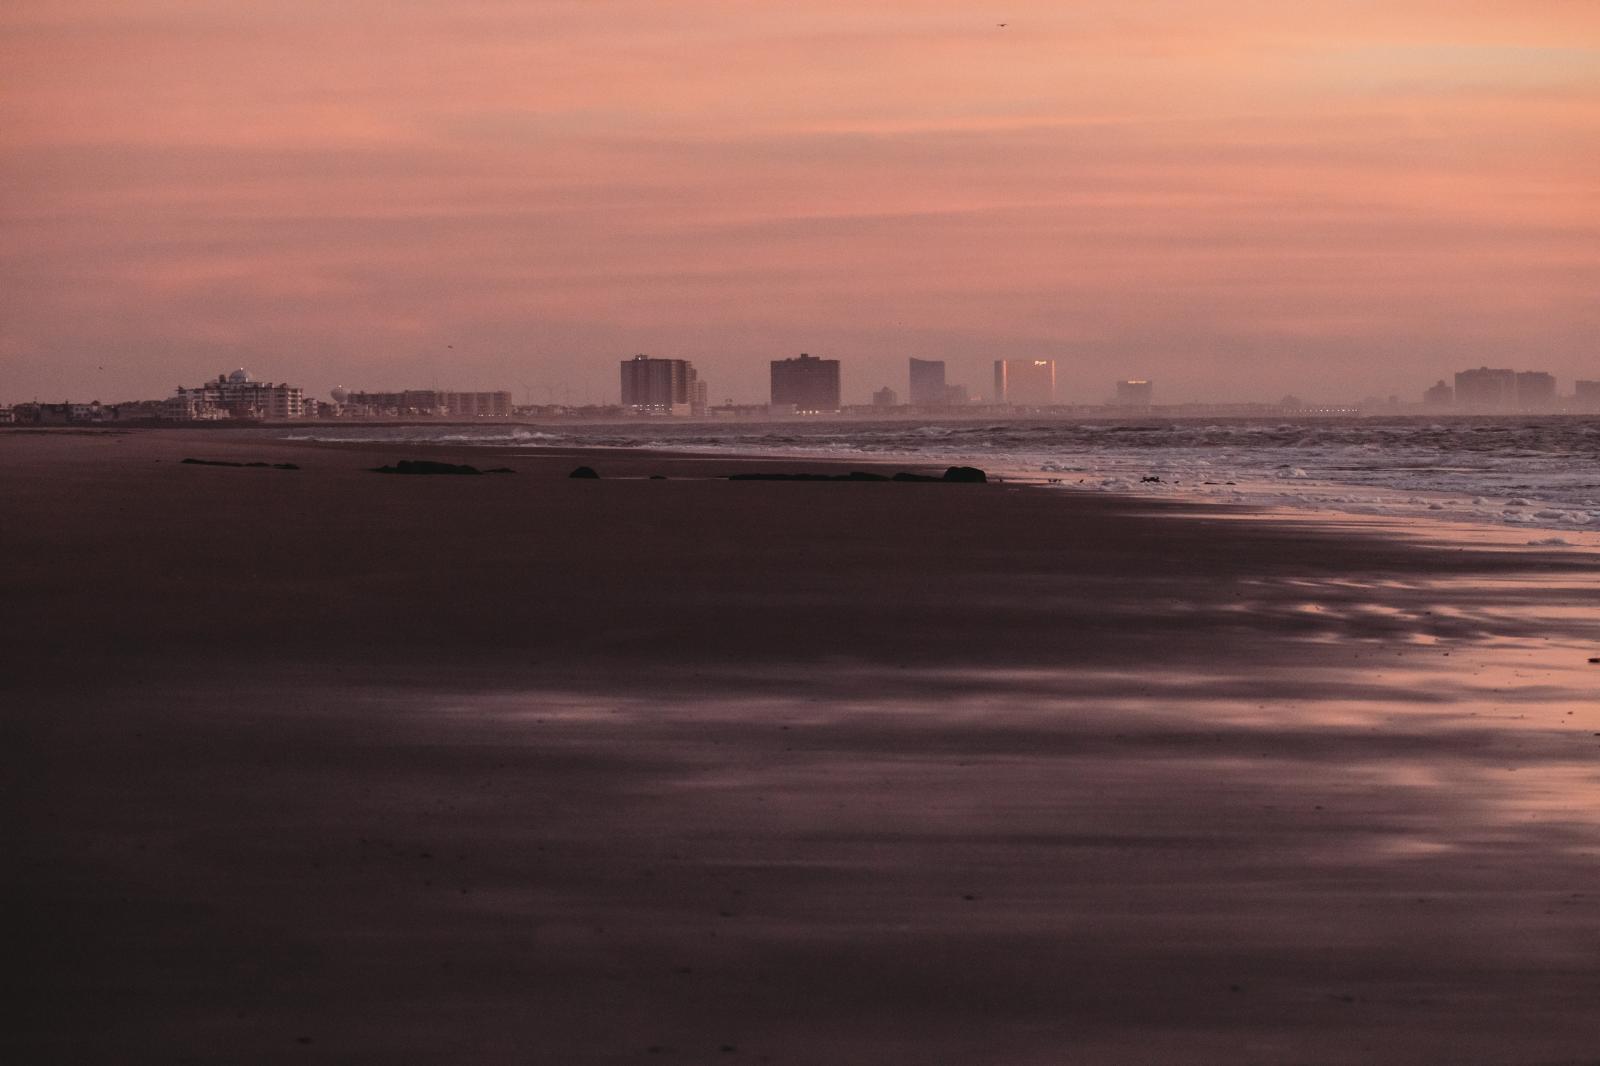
pixel 421 403
pixel 1490 390
pixel 805 386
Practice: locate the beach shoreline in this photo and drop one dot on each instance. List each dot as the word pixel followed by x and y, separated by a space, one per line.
pixel 327 765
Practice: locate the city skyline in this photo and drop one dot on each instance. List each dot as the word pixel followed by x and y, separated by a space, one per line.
pixel 806 386
pixel 1227 198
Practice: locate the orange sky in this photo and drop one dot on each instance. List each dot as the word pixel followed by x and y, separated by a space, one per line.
pixel 1235 198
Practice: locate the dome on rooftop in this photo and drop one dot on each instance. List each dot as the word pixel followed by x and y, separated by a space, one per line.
pixel 239 377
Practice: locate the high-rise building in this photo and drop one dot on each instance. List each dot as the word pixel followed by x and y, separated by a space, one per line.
pixel 1025 382
pixel 808 384
pixel 1135 392
pixel 1441 395
pixel 927 383
pixel 1535 389
pixel 661 386
pixel 1484 389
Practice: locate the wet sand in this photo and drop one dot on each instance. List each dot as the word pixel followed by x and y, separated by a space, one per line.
pixel 325 765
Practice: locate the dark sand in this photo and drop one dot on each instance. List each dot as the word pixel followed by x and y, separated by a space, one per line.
pixel 328 766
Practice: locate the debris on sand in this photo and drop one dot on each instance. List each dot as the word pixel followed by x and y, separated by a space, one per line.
pixel 967 474
pixel 224 462
pixel 426 466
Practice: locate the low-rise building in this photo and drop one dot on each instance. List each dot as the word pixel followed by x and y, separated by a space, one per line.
pixel 424 403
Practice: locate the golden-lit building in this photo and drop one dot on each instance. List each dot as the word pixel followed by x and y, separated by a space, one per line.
pixel 1025 382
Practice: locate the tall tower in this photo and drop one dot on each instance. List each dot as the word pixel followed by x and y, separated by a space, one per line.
pixel 927 383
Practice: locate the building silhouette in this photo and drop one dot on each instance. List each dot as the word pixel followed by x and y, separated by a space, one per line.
pixel 927 383
pixel 1441 395
pixel 1587 395
pixel 1485 389
pixel 807 384
pixel 1536 390
pixel 662 387
pixel 885 397
pixel 424 403
pixel 1135 392
pixel 1025 382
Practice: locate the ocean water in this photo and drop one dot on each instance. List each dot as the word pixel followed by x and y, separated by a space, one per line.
pixel 1539 473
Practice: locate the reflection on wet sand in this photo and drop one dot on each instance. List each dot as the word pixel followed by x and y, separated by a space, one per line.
pixel 1029 780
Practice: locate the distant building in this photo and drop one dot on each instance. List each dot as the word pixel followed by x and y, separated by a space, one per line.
pixel 425 403
pixel 1441 395
pixel 61 414
pixel 956 396
pixel 1025 382
pixel 927 383
pixel 1536 390
pixel 885 397
pixel 235 396
pixel 661 387
pixel 1587 395
pixel 143 410
pixel 1135 392
pixel 1484 389
pixel 807 384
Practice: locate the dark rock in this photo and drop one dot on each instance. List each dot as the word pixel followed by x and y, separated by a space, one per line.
pixel 584 472
pixel 225 462
pixel 426 466
pixel 658 477
pixel 955 473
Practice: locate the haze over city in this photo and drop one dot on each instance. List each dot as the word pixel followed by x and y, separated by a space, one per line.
pixel 1240 200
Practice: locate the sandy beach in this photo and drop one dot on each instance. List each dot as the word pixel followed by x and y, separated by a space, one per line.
pixel 323 765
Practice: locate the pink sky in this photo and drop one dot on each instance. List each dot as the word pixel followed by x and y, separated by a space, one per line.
pixel 1239 199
